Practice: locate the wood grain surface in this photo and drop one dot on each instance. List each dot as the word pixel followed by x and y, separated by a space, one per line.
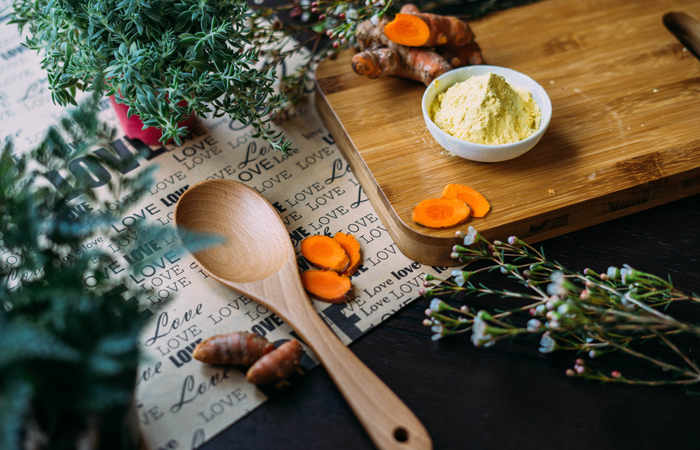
pixel 623 137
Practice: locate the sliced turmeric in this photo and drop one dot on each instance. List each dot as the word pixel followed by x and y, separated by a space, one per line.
pixel 324 253
pixel 477 202
pixel 277 365
pixel 239 348
pixel 327 286
pixel 441 212
pixel 417 29
pixel 352 248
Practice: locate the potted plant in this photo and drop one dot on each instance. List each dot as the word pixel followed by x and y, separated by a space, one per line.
pixel 161 61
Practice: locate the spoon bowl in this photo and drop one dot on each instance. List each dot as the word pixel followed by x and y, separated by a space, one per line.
pixel 258 260
pixel 256 246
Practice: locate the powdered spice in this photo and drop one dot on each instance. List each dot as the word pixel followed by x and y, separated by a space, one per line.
pixel 487 110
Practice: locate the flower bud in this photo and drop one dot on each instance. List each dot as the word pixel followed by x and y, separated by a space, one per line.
pixel 580 361
pixel 613 272
pixel 438 305
pixel 484 315
pixel 616 374
pixel 570 373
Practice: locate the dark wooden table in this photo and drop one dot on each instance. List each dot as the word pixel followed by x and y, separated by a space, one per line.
pixel 508 396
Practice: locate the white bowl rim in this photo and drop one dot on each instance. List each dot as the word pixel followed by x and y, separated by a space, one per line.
pixel 544 120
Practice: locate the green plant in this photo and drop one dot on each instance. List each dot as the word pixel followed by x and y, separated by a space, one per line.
pixel 167 59
pixel 620 311
pixel 69 353
pixel 164 59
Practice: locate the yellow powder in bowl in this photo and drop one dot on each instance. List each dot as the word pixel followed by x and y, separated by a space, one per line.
pixel 486 110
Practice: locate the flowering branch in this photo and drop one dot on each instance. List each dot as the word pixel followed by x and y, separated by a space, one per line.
pixel 585 312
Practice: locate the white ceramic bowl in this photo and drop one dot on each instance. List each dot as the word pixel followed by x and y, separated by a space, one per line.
pixel 481 152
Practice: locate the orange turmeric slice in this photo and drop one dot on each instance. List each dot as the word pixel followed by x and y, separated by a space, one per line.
pixel 352 248
pixel 428 30
pixel 477 202
pixel 324 253
pixel 441 212
pixel 327 286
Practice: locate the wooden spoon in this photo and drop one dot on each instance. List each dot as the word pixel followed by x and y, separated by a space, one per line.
pixel 258 260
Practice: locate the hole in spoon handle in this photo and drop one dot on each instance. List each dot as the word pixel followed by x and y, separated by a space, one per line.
pixel 401 434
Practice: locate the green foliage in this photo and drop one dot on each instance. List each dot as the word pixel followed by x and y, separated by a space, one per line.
pixel 164 59
pixel 68 353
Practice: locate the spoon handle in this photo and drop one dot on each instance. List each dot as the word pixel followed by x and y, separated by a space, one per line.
pixel 387 419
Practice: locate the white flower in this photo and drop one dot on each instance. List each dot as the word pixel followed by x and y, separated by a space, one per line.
pixel 352 14
pixel 556 287
pixel 374 19
pixel 438 305
pixel 613 272
pixel 471 236
pixel 533 325
pixel 547 344
pixel 459 280
pixel 479 336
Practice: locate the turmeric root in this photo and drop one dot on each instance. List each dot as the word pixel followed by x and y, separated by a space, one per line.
pixel 419 64
pixel 371 36
pixel 441 212
pixel 276 365
pixel 466 55
pixel 239 348
pixel 381 56
pixel 416 29
pixel 352 248
pixel 327 286
pixel 477 202
pixel 324 253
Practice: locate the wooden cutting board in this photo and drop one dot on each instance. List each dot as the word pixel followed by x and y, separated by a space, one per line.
pixel 624 135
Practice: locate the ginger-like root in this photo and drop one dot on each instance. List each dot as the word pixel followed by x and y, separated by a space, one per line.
pixel 415 29
pixel 476 201
pixel 441 212
pixel 239 348
pixel 418 64
pixel 352 248
pixel 466 55
pixel 324 253
pixel 369 35
pixel 327 286
pixel 276 365
pixel 380 56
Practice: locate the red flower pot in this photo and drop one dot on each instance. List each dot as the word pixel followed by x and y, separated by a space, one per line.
pixel 133 126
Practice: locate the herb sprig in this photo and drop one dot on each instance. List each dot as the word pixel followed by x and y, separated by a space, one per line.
pixel 621 311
